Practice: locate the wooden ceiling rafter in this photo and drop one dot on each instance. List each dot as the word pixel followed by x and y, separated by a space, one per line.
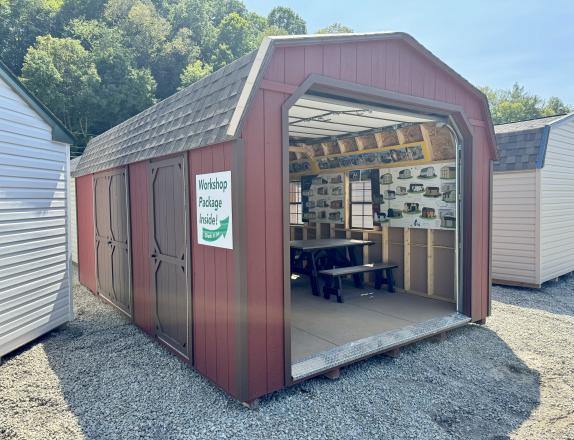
pixel 371 115
pixel 391 129
pixel 437 139
pixel 401 136
pixel 426 136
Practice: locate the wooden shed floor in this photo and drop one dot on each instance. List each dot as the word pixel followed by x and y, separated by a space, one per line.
pixel 318 325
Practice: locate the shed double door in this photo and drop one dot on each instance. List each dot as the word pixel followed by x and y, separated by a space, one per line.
pixel 169 257
pixel 112 238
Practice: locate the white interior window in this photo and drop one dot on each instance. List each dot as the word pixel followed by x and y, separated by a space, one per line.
pixel 361 202
pixel 295 205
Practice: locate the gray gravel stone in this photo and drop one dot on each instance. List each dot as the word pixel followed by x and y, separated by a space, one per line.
pixel 100 377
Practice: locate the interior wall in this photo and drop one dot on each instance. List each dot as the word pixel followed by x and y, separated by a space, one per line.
pixel 443 255
pixel 429 255
pixel 411 248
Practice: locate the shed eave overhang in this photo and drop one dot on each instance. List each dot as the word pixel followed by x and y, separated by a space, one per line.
pixel 59 132
pixel 104 166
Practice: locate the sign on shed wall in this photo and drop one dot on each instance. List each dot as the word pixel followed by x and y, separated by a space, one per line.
pixel 214 209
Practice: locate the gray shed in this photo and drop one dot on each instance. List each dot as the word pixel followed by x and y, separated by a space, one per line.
pixel 35 294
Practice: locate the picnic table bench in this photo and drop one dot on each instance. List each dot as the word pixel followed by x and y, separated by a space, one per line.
pixel 333 282
pixel 326 252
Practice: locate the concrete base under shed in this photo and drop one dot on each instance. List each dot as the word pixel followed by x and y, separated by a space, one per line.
pixel 368 317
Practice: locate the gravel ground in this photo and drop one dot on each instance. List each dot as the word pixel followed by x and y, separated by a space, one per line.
pixel 100 377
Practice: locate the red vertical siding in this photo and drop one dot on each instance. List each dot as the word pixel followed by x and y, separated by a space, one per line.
pixel 257 244
pixel 365 63
pixel 349 62
pixel 313 59
pixel 391 65
pixel 86 238
pixel 274 235
pixel 213 294
pixel 139 225
pixel 294 56
pixel 264 214
pixel 379 65
pixel 332 61
pixel 480 232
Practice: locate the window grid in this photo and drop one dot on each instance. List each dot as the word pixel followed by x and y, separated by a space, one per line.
pixel 295 204
pixel 361 202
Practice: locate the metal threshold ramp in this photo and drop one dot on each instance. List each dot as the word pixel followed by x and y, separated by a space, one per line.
pixel 366 347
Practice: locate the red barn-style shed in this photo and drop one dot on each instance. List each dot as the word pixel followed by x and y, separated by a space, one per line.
pixel 340 115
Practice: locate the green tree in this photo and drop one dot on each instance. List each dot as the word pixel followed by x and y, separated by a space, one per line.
pixel 98 62
pixel 257 23
pixel 271 31
pixel 21 22
pixel 236 37
pixel 124 89
pixel 146 31
pixel 335 28
pixel 198 17
pixel 194 72
pixel 555 106
pixel 174 56
pixel 116 11
pixel 516 104
pixel 5 13
pixel 64 76
pixel 222 8
pixel 512 105
pixel 286 18
pixel 79 9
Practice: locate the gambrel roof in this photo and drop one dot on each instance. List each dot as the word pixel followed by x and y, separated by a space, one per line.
pixel 212 110
pixel 196 116
pixel 522 145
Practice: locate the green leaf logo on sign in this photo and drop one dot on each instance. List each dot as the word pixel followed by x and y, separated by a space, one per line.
pixel 214 213
pixel 214 234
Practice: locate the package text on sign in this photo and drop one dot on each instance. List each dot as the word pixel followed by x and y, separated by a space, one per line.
pixel 214 210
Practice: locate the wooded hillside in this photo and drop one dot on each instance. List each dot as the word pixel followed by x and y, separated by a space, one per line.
pixel 95 63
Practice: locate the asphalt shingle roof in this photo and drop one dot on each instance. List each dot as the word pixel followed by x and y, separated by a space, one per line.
pixel 525 125
pixel 212 110
pixel 74 164
pixel 196 116
pixel 521 145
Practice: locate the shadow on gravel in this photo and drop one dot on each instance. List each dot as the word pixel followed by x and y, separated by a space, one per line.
pixel 554 296
pixel 120 384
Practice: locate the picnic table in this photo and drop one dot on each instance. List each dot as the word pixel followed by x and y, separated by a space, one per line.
pixel 326 253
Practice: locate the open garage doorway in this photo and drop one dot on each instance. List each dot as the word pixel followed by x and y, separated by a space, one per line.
pixel 374 221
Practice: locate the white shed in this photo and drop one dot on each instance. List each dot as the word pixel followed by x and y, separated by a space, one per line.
pixel 533 201
pixel 35 293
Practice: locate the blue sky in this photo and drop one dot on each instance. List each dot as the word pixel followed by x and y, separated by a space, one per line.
pixel 494 43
